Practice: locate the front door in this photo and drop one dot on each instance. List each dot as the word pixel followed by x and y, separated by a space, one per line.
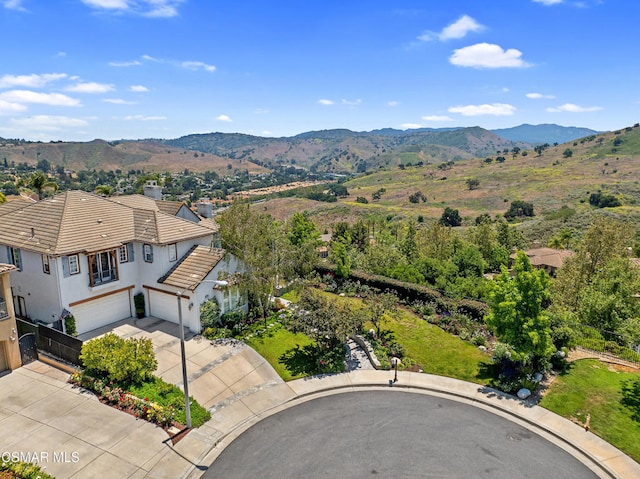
pixel 28 348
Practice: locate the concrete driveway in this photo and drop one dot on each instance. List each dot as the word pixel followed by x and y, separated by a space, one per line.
pixel 219 373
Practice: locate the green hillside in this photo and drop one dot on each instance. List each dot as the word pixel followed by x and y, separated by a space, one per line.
pixel 559 183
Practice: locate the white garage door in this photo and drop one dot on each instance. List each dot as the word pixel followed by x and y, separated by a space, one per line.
pixel 165 306
pixel 100 312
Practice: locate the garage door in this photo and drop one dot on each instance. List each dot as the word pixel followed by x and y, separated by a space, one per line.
pixel 102 311
pixel 165 306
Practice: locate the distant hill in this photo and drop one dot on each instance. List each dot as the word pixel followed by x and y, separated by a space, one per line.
pixel 559 183
pixel 545 133
pixel 123 155
pixel 346 151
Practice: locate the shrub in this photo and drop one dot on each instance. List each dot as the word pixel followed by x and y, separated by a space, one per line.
pixel 362 199
pixel 138 301
pixel 122 360
pixel 209 313
pixel 22 470
pixel 70 325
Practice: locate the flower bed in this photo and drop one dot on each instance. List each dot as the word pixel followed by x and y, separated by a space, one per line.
pixel 117 397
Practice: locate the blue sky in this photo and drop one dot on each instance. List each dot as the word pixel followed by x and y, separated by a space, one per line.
pixel 75 70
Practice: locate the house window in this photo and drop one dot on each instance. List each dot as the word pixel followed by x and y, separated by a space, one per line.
pixel 103 267
pixel 147 250
pixel 15 258
pixel 173 252
pixel 123 254
pixel 74 264
pixel 45 264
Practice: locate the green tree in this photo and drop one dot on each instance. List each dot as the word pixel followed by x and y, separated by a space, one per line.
pixel 516 313
pixel 519 209
pixel 376 305
pixel 104 190
pixel 339 255
pixel 261 244
pixel 39 183
pixel 450 217
pixel 568 153
pixel 305 239
pixel 473 183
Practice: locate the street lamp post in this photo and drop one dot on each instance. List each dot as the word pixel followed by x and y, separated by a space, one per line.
pixel 185 380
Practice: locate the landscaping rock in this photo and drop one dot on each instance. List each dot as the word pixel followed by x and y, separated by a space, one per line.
pixel 524 393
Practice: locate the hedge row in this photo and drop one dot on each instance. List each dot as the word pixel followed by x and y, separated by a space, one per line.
pixel 411 292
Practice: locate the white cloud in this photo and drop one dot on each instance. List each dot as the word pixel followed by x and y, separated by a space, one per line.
pixel 7 107
pixel 131 63
pixel 437 118
pixel 260 111
pixel 118 101
pixel 393 103
pixel 458 29
pixel 351 102
pixel 49 122
pixel 198 66
pixel 14 5
pixel 538 96
pixel 107 4
pixel 61 54
pixel 267 133
pixel 224 118
pixel 410 126
pixel 29 81
pixel 91 87
pixel 27 96
pixel 138 88
pixel 149 58
pixel 147 8
pixel 495 109
pixel 548 2
pixel 324 101
pixel 144 118
pixel 487 55
pixel 572 108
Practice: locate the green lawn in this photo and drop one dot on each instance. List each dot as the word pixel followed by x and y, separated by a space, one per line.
pixel 435 351
pixel 272 344
pixel 595 388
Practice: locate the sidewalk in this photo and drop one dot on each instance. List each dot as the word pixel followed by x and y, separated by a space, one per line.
pixel 43 413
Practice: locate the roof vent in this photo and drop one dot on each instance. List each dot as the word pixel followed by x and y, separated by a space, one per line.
pixel 99 221
pixel 33 232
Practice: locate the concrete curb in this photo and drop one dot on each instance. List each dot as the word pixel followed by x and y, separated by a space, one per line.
pixel 596 454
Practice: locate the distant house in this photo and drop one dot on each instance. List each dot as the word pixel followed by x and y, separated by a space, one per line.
pixel 90 255
pixel 549 259
pixel 323 249
pixel 9 348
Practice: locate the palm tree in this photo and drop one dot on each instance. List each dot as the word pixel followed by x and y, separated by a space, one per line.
pixel 39 182
pixel 104 190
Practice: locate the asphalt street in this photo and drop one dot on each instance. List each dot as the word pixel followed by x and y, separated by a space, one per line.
pixel 392 434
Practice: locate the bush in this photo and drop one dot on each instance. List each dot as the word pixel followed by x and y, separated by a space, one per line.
pixel 22 470
pixel 362 199
pixel 209 313
pixel 138 301
pixel 121 360
pixel 70 325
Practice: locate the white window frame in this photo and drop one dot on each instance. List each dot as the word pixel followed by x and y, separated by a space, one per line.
pixel 123 254
pixel 46 266
pixel 147 252
pixel 74 264
pixel 173 252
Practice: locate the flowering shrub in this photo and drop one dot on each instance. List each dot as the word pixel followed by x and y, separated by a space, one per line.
pixel 121 399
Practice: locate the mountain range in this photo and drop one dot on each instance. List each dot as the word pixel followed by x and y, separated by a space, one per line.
pixel 336 150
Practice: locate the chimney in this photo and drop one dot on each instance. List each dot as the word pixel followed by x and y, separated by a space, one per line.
pixel 205 209
pixel 153 190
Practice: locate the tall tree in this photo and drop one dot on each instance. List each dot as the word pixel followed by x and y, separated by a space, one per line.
pixel 305 239
pixel 516 313
pixel 39 183
pixel 259 241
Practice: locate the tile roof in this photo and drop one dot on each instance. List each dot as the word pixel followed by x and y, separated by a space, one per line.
pixel 193 267
pixel 5 268
pixel 547 256
pixel 77 221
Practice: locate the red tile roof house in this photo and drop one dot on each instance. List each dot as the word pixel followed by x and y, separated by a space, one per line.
pixel 90 255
